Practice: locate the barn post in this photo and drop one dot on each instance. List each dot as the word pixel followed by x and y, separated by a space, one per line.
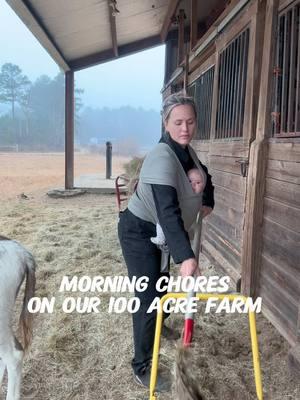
pixel 252 233
pixel 69 129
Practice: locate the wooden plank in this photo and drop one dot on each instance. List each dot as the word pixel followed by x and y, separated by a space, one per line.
pixel 194 23
pixel 203 67
pixel 108 55
pixel 199 146
pixel 237 148
pixel 223 250
pixel 284 171
pixel 241 21
pixel 284 192
pixel 235 183
pixel 278 319
pixel 282 214
pixel 284 3
pixel 281 245
pixel 284 151
pixel 228 212
pixel 113 30
pixel 27 14
pixel 69 130
pixel 186 74
pixel 180 57
pixel 221 262
pixel 258 159
pixel 285 302
pixel 225 164
pixel 230 198
pixel 229 243
pixel 255 51
pixel 172 7
pixel 283 276
pixel 233 232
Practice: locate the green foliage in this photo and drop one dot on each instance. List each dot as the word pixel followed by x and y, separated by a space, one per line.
pixel 39 120
pixel 14 86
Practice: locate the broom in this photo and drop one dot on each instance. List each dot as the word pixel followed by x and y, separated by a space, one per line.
pixel 185 388
pixel 189 317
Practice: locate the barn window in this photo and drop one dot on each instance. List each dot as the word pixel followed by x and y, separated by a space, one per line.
pixel 286 109
pixel 232 88
pixel 202 91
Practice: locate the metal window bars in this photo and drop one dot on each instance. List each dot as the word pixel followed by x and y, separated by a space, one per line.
pixel 232 87
pixel 202 91
pixel 286 106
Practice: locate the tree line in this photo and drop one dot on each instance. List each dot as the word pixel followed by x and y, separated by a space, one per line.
pixel 35 116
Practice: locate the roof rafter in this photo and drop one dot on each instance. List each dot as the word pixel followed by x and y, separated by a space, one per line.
pixel 113 28
pixel 108 55
pixel 172 7
pixel 26 12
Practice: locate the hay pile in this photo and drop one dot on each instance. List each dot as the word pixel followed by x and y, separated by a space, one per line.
pixel 87 356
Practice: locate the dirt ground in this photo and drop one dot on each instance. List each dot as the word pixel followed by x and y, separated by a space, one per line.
pixel 87 356
pixel 34 172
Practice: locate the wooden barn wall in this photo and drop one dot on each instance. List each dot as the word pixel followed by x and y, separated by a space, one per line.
pixel 279 282
pixel 223 229
pixel 222 238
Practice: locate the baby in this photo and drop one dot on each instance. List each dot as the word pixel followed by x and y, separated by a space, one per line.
pixel 198 183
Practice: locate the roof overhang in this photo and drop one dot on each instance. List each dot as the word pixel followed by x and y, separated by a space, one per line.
pixel 81 33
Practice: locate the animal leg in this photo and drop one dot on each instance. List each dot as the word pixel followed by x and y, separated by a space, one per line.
pixel 2 370
pixel 14 360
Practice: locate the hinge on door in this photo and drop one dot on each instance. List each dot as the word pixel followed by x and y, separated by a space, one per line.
pixel 244 166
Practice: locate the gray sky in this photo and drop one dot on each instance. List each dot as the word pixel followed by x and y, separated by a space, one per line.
pixel 104 85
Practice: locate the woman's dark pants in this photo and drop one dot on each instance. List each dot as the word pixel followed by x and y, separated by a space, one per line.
pixel 142 258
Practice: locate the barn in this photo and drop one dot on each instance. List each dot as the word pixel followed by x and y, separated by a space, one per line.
pixel 240 60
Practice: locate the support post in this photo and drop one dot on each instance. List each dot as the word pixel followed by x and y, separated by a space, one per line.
pixel 69 130
pixel 108 159
pixel 252 236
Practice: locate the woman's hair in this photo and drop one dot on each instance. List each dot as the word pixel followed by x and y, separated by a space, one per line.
pixel 174 100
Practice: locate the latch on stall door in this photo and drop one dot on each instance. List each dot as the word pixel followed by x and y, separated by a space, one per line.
pixel 244 166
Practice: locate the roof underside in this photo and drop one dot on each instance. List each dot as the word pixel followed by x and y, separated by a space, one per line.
pixel 82 33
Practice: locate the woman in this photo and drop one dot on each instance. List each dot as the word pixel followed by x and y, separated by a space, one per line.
pixel 164 195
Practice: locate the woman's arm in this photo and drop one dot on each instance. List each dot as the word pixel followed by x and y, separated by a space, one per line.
pixel 169 217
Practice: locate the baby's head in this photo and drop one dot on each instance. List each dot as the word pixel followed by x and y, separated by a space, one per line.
pixel 197 180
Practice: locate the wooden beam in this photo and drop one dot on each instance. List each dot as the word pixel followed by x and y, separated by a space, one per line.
pixel 113 29
pixel 180 37
pixel 186 74
pixel 252 237
pixel 69 130
pixel 172 7
pixel 108 55
pixel 194 24
pixel 31 19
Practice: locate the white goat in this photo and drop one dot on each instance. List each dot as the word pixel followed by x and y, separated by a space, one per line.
pixel 15 263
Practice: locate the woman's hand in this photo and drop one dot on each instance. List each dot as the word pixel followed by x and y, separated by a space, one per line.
pixel 205 211
pixel 189 267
